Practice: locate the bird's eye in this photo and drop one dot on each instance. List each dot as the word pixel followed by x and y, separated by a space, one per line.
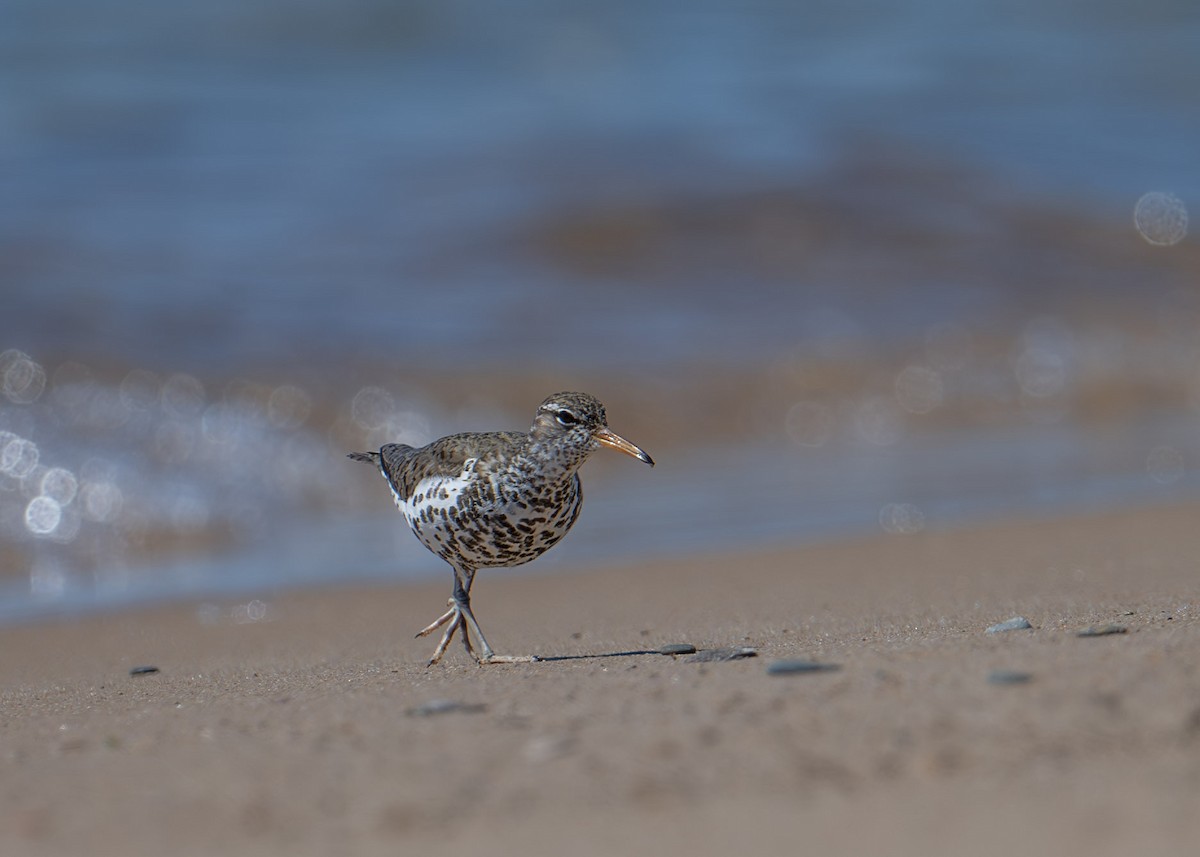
pixel 566 418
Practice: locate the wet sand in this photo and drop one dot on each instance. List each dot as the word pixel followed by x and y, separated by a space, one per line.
pixel 317 729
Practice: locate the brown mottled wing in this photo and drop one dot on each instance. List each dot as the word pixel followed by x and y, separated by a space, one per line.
pixel 403 466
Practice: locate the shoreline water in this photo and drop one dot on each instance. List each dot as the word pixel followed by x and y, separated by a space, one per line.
pixel 936 482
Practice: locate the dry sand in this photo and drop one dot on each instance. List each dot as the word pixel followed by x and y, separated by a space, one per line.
pixel 297 734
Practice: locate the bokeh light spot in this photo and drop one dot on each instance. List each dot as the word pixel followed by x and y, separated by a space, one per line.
pixel 101 501
pixel 60 485
pixel 18 457
pixel 183 396
pixel 1161 218
pixel 139 390
pixel 251 611
pixel 42 515
pixel 1165 465
pixel 372 407
pixel 22 380
pixel 901 518
pixel 288 407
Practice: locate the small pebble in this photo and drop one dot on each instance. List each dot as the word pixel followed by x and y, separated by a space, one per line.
pixel 1100 630
pixel 677 649
pixel 445 706
pixel 1016 623
pixel 1009 677
pixel 791 667
pixel 143 670
pixel 733 653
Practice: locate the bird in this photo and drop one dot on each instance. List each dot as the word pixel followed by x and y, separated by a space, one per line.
pixel 496 499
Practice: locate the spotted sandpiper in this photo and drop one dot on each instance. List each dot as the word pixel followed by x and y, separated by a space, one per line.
pixel 496 499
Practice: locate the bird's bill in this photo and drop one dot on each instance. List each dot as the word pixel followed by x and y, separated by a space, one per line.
pixel 612 440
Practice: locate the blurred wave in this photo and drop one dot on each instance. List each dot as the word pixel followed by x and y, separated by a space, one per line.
pixel 865 269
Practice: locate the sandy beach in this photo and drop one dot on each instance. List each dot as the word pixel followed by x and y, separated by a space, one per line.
pixel 307 723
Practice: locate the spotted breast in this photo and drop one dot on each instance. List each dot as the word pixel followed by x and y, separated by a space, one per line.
pixel 479 511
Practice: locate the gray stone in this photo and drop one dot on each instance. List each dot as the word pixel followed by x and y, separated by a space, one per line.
pixel 1009 677
pixel 1016 623
pixel 445 706
pixel 732 653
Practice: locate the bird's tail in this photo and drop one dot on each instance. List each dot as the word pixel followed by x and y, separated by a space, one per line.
pixel 368 457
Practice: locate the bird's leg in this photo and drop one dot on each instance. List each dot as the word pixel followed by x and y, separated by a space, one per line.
pixel 463 578
pixel 460 616
pixel 462 602
pixel 455 618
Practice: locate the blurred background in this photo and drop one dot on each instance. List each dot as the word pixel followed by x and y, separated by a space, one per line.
pixel 841 268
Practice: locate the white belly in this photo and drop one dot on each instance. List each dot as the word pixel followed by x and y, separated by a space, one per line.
pixel 428 511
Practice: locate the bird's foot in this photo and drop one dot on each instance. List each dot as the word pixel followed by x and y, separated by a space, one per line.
pixel 460 617
pixel 453 620
pixel 494 658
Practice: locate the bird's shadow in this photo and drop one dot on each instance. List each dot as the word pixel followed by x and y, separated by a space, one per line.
pixel 597 655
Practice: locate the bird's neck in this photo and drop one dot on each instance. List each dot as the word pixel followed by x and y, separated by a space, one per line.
pixel 547 461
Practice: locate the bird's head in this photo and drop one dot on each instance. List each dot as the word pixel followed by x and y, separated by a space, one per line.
pixel 577 419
